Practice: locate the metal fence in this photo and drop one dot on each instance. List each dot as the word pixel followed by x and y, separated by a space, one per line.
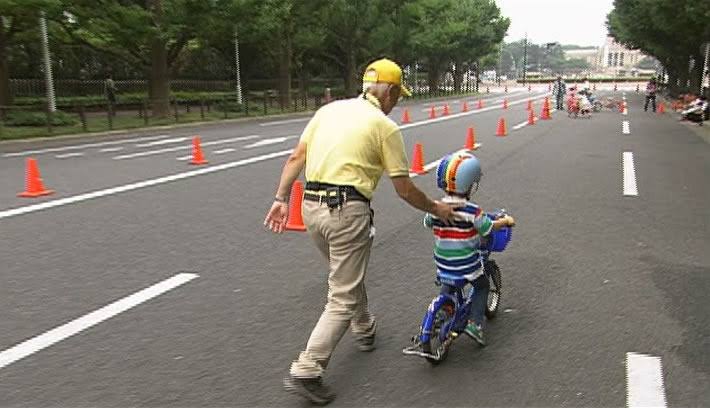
pixel 83 106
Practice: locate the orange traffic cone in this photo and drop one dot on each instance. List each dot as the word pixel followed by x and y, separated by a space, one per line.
pixel 432 113
pixel 197 156
pixel 661 108
pixel 531 117
pixel 295 218
pixel 480 104
pixel 445 112
pixel 545 113
pixel 505 103
pixel 529 105
pixel 418 160
pixel 501 131
pixel 470 140
pixel 33 181
pixel 464 108
pixel 405 117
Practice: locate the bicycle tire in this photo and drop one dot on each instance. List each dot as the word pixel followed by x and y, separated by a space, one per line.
pixel 494 293
pixel 434 345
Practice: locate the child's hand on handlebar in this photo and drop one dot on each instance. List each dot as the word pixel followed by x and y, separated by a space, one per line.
pixel 510 220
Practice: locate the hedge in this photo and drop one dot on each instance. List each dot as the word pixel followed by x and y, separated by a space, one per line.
pixel 22 118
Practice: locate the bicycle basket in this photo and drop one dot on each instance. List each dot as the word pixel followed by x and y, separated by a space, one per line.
pixel 498 240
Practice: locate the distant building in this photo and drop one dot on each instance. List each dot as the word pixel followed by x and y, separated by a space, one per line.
pixel 615 59
pixel 611 59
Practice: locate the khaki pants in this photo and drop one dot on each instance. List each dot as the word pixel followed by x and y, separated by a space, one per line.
pixel 343 237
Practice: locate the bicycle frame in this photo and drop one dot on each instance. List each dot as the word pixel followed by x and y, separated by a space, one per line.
pixel 462 307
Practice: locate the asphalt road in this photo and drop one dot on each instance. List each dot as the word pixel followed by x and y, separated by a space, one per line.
pixel 591 275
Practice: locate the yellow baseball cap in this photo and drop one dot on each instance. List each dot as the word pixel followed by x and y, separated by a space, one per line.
pixel 385 70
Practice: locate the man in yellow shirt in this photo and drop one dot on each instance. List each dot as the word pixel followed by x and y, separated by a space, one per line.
pixel 345 148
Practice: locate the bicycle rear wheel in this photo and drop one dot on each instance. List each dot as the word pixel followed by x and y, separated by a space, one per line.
pixel 492 271
pixel 436 346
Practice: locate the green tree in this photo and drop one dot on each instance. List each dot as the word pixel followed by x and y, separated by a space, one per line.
pixel 152 34
pixel 19 23
pixel 670 30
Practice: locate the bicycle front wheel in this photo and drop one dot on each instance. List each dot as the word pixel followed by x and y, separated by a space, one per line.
pixel 492 271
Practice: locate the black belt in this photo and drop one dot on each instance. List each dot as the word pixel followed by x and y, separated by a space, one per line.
pixel 337 195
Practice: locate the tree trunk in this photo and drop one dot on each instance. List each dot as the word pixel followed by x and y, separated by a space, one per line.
pixel 696 74
pixel 285 71
pixel 458 75
pixel 433 78
pixel 159 80
pixel 350 74
pixel 5 95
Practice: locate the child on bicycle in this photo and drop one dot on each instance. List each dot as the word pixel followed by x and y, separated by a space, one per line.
pixel 457 246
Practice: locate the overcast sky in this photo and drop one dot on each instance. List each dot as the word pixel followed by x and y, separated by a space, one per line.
pixel 578 22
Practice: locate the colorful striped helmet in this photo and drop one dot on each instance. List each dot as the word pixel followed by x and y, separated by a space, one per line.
pixel 457 172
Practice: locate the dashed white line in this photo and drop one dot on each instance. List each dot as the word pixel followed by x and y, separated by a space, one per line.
pixel 629 174
pixel 644 381
pixel 162 142
pixel 285 122
pixel 267 142
pixel 223 151
pixel 83 146
pixel 66 330
pixel 174 149
pixel 68 155
pixel 625 128
pixel 135 186
pixel 111 149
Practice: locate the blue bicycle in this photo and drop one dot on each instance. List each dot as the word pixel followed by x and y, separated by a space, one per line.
pixel 448 313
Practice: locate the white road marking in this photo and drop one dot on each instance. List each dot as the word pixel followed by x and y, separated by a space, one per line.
pixel 285 122
pixel 205 170
pixel 162 142
pixel 68 155
pixel 173 149
pixel 111 149
pixel 267 142
pixel 470 112
pixel 227 150
pixel 141 184
pixel 644 381
pixel 83 146
pixel 625 129
pixel 471 103
pixel 53 336
pixel 183 158
pixel 629 174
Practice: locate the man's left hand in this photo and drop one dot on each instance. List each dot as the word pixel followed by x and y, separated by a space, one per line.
pixel 276 217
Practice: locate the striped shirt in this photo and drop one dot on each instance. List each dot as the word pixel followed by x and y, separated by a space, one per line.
pixel 457 246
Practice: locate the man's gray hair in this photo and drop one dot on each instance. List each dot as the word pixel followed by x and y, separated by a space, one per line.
pixel 374 87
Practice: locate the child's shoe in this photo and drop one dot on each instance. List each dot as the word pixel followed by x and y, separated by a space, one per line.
pixel 475 331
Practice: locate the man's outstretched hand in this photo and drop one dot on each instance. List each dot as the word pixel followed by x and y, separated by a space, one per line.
pixel 276 217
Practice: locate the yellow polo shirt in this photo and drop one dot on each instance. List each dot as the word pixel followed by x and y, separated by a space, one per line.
pixel 352 142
